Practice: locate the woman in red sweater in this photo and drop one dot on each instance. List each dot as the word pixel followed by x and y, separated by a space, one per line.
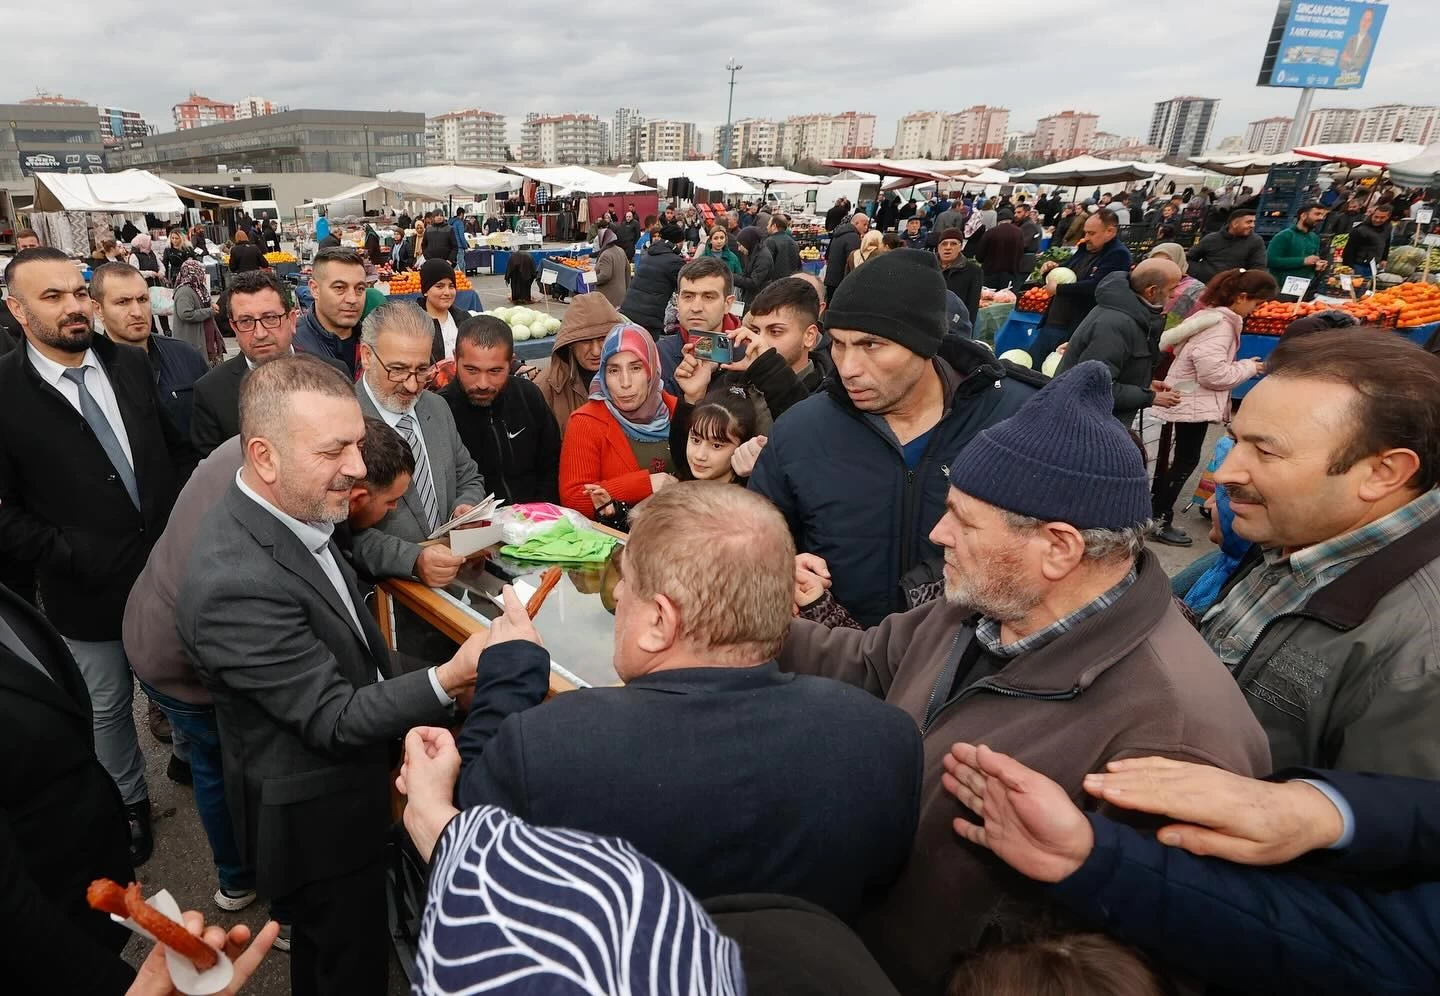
pixel 617 445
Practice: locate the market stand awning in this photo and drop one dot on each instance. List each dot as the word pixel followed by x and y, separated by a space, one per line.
pixel 131 191
pixel 439 182
pixel 578 180
pixel 778 174
pixel 1247 165
pixel 1084 170
pixel 202 196
pixel 348 194
pixel 1421 171
pixel 1363 153
pixel 706 174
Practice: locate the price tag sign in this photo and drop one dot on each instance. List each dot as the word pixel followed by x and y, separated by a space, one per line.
pixel 1424 216
pixel 589 277
pixel 1432 240
pixel 1294 286
pixel 548 277
pixel 1347 282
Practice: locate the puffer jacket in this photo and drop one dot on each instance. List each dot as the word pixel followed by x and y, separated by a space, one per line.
pixel 652 285
pixel 839 477
pixel 1124 334
pixel 1205 356
pixel 843 241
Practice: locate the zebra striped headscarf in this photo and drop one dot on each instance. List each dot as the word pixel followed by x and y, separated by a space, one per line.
pixel 516 909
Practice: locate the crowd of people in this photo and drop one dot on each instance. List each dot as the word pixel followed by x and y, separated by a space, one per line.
pixel 904 693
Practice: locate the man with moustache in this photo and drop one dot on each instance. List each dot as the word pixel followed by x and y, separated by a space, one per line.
pixel 89 469
pixel 502 419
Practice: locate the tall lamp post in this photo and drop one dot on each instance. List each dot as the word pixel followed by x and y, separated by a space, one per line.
pixel 734 68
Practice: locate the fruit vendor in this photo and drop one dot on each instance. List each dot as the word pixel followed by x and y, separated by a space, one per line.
pixel 1295 252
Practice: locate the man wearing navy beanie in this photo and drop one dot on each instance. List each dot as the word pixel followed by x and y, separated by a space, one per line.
pixel 1057 641
pixel 859 468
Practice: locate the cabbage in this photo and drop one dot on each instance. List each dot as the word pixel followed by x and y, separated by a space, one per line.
pixel 520 332
pixel 1051 364
pixel 1059 275
pixel 503 314
pixel 1019 357
pixel 552 324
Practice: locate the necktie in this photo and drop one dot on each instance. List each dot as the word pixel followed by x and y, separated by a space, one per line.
pixel 424 485
pixel 100 425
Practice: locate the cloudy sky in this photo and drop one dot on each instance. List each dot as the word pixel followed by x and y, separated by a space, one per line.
pixel 1112 57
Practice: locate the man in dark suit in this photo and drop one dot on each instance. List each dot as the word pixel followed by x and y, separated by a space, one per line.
pixel 89 468
pixel 308 701
pixel 264 327
pixel 396 357
pixel 62 823
pixel 736 777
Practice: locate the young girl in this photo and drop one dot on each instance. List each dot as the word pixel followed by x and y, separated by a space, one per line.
pixel 703 438
pixel 1204 372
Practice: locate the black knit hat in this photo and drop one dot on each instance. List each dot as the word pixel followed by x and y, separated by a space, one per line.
pixel 1063 457
pixel 432 271
pixel 899 295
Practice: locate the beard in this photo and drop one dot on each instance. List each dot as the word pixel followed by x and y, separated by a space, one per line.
pixel 312 507
pixel 998 593
pixel 58 337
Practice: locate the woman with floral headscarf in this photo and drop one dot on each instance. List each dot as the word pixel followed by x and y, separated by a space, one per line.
pixel 194 314
pixel 617 444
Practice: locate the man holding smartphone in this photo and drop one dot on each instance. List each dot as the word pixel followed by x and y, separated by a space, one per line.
pixel 706 293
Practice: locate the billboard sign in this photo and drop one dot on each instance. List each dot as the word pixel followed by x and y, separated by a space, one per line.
pixel 71 162
pixel 1325 45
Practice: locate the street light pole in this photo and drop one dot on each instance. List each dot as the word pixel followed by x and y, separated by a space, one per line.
pixel 734 68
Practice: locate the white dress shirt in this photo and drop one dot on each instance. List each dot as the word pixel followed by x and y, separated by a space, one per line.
pixel 95 382
pixel 316 538
pixel 393 418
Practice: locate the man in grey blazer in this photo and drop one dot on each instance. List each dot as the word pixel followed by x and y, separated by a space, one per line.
pixel 396 341
pixel 309 702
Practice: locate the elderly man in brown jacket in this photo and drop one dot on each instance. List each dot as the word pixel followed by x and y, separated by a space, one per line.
pixel 1057 642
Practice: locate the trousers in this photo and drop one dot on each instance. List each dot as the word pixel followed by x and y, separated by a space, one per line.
pixel 339 935
pixel 111 684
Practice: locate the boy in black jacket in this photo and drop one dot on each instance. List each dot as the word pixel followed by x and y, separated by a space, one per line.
pixel 503 420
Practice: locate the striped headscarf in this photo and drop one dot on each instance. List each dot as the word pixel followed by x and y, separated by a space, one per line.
pixel 651 421
pixel 518 910
pixel 192 275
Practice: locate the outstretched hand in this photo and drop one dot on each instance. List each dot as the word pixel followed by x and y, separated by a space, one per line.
pixel 1029 821
pixel 153 977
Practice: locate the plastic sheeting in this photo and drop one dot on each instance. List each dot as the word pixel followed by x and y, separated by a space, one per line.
pixel 1421 171
pixel 566 180
pixel 131 190
pixel 439 182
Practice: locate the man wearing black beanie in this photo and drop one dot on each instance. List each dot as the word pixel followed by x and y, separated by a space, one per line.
pixel 859 468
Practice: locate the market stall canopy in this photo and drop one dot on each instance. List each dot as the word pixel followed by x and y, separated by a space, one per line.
pixel 704 173
pixel 1168 172
pixel 919 170
pixel 130 191
pixel 1421 171
pixel 350 194
pixel 988 177
pixel 202 196
pixel 1363 153
pixel 578 180
pixel 1084 170
pixel 438 182
pixel 778 174
pixel 1247 165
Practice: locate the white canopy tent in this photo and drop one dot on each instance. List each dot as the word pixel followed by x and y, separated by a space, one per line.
pixel 578 180
pixel 1085 170
pixel 1247 165
pixel 440 182
pixel 778 174
pixel 1422 170
pixel 706 174
pixel 1363 153
pixel 349 194
pixel 130 191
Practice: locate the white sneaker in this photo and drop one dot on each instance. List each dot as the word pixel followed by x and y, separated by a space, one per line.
pixel 234 901
pixel 282 939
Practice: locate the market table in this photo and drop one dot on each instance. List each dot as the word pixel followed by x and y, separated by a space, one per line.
pixel 499 259
pixel 812 266
pixel 1260 346
pixel 465 300
pixel 1018 332
pixel 568 277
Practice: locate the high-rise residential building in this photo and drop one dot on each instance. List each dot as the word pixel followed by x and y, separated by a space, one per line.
pixel 1181 126
pixel 846 135
pixel 625 128
pixel 1019 143
pixel 1397 123
pixel 666 140
pixel 1069 133
pixel 466 136
pixel 1104 141
pixel 975 133
pixel 197 112
pixel 1330 124
pixel 920 135
pixel 119 126
pixel 253 107
pixel 756 137
pixel 562 138
pixel 1267 136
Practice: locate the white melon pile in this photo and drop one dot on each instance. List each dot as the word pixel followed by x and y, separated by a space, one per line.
pixel 527 324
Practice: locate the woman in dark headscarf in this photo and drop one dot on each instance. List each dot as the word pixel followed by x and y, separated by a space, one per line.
pixel 750 239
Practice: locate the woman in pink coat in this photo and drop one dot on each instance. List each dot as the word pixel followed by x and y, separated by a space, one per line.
pixel 1204 372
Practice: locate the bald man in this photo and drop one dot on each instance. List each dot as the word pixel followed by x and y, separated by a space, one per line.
pixel 1123 332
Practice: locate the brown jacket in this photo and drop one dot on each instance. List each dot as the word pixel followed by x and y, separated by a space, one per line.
pixel 1135 680
pixel 589 316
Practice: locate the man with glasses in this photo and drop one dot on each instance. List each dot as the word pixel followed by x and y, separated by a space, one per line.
pixel 397 339
pixel 263 320
pixel 331 327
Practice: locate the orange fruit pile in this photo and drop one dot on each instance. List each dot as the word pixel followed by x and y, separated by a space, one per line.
pixel 1413 304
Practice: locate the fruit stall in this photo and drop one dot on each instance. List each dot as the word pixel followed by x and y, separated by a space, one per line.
pixel 406 287
pixel 814 244
pixel 575 274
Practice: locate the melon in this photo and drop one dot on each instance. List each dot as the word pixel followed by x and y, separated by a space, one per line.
pixel 520 332
pixel 1051 364
pixel 1059 275
pixel 1019 357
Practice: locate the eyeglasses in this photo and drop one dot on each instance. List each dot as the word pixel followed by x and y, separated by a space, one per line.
pixel 400 374
pixel 247 324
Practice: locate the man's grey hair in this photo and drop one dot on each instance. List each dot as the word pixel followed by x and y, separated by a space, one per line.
pixel 265 394
pixel 403 317
pixel 1101 545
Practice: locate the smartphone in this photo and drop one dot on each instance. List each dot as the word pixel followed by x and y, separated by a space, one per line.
pixel 713 346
